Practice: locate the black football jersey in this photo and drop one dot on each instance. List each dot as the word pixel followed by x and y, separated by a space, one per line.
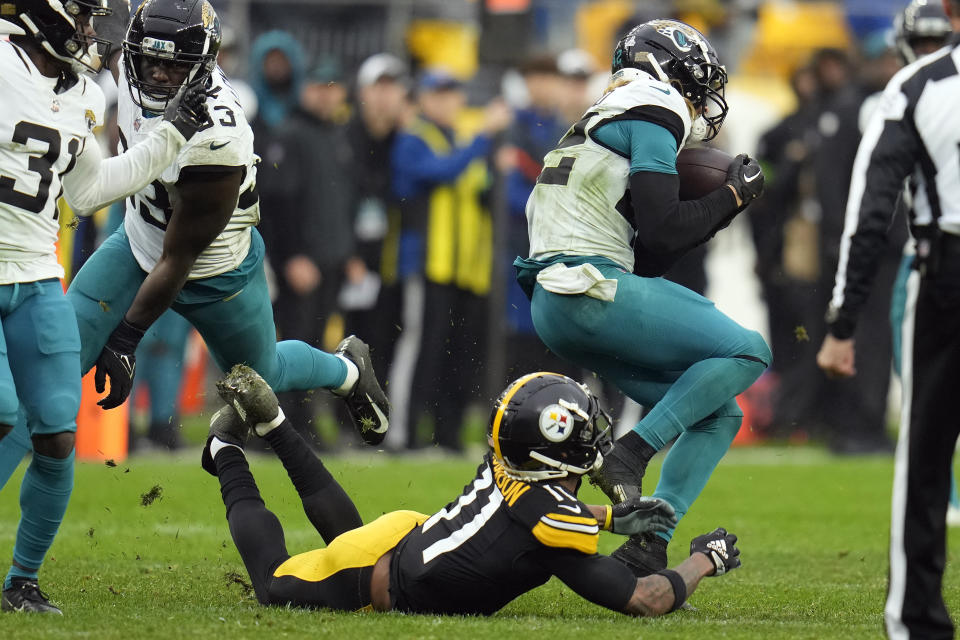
pixel 499 539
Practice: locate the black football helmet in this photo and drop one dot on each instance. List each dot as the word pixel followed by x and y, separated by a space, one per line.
pixel 921 20
pixel 57 26
pixel 181 32
pixel 545 426
pixel 676 53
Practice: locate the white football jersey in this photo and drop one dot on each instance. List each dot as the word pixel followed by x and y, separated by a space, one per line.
pixel 41 134
pixel 575 207
pixel 227 142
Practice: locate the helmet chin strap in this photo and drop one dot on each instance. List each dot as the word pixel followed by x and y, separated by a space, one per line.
pixel 698 129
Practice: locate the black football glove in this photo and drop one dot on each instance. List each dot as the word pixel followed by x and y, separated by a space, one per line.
pixel 640 514
pixel 720 547
pixel 746 177
pixel 187 110
pixel 118 362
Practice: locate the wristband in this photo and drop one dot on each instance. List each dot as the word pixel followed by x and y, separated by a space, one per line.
pixel 125 337
pixel 679 588
pixel 608 519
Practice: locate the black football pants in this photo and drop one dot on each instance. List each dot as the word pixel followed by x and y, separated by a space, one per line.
pixel 929 429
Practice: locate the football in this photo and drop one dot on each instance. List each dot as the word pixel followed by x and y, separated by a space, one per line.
pixel 701 170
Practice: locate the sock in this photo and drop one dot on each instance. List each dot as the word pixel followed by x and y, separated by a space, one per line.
pixel 327 505
pixel 217 444
pixel 692 460
pixel 263 428
pixel 300 366
pixel 352 375
pixel 14 446
pixel 637 447
pixel 44 495
pixel 236 481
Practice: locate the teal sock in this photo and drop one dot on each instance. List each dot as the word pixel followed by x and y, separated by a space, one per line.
pixel 691 460
pixel 44 495
pixel 14 446
pixel 302 367
pixel 696 394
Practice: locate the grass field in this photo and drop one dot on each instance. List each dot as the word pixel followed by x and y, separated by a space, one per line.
pixel 813 531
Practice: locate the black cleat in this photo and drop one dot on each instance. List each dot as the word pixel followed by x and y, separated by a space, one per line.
pixel 644 554
pixel 227 425
pixel 249 394
pixel 24 596
pixel 366 402
pixel 620 476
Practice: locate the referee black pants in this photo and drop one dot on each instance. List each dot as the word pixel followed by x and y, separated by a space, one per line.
pixel 929 428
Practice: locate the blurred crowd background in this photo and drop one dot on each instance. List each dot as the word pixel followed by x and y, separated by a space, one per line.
pixel 399 140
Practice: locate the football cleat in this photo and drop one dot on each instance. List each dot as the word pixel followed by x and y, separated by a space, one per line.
pixel 366 401
pixel 227 425
pixel 24 596
pixel 621 475
pixel 644 554
pixel 249 394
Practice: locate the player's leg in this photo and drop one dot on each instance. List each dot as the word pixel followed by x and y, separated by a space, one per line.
pixel 928 434
pixel 255 530
pixel 45 362
pixel 14 442
pixel 102 292
pixel 327 505
pixel 666 347
pixel 239 328
pixel 160 370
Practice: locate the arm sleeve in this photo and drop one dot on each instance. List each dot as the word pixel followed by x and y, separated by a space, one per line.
pixel 599 579
pixel 414 161
pixel 665 224
pixel 95 182
pixel 888 152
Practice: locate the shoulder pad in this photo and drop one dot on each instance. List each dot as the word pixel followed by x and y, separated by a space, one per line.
pixel 554 516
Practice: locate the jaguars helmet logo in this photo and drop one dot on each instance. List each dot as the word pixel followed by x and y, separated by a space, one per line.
pixel 556 423
pixel 91 119
pixel 207 15
pixel 684 37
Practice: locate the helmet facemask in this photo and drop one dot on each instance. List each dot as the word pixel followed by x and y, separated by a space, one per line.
pixel 59 28
pixel 160 33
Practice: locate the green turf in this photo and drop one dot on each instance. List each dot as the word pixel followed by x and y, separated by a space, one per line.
pixel 813 531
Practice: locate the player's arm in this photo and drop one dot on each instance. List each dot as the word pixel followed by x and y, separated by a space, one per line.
pixel 203 201
pixel 94 182
pixel 664 223
pixel 608 583
pixel 888 153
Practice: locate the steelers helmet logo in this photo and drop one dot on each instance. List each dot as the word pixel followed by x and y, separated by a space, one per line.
pixel 556 423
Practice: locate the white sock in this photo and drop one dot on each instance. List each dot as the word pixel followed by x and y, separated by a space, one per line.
pixel 352 375
pixel 217 444
pixel 263 428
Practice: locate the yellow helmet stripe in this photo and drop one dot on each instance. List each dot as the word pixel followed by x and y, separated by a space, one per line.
pixel 497 419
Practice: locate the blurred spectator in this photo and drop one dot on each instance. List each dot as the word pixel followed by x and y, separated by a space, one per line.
pixel 370 297
pixel 309 232
pixel 276 74
pixel 576 67
pixel 853 410
pixel 228 60
pixel 445 255
pixel 784 225
pixel 535 131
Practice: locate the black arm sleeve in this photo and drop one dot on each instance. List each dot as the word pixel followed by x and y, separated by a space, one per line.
pixel 882 169
pixel 668 227
pixel 599 579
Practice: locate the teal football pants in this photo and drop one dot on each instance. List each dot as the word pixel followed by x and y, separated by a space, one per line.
pixel 237 327
pixel 39 390
pixel 670 350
